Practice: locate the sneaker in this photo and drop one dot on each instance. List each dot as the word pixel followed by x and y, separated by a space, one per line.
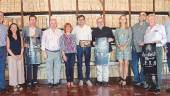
pixel 88 82
pixel 29 86
pixel 140 85
pixel 157 91
pixel 81 83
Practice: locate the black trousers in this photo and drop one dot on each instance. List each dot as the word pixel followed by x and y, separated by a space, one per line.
pixel 32 71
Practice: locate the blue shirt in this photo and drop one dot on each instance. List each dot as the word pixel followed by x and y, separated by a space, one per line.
pixel 3 35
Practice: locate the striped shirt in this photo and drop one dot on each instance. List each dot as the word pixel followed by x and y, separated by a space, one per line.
pixel 3 35
pixel 51 40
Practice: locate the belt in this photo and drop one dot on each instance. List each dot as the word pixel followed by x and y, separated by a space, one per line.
pixel 52 50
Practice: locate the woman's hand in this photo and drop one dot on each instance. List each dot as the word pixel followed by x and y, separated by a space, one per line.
pixel 110 39
pixel 65 58
pixel 44 55
pixel 26 45
pixel 141 44
pixel 20 56
pixel 94 43
pixel 15 57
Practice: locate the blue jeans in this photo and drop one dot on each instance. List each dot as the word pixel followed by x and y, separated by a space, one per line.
pixel 138 76
pixel 168 55
pixel 86 51
pixel 69 64
pixel 3 54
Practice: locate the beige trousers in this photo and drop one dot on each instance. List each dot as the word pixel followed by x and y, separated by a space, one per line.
pixel 16 71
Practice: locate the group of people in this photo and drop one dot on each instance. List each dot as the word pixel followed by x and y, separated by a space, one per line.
pixel 25 49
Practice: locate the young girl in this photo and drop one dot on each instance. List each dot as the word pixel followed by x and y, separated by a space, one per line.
pixel 123 42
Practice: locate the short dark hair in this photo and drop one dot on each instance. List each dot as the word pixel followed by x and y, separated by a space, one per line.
pixel 143 12
pixel 79 16
pixel 32 16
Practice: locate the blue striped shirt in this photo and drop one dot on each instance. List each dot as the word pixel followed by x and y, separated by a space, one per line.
pixel 3 35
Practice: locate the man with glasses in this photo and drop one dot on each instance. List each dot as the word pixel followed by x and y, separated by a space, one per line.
pixel 83 41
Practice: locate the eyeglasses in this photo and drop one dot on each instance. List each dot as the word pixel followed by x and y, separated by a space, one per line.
pixel 80 19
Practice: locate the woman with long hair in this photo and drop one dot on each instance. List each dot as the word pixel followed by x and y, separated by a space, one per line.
pixel 15 57
pixel 123 36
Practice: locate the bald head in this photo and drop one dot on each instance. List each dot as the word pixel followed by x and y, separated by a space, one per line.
pixel 1 17
pixel 152 19
pixel 53 22
pixel 100 22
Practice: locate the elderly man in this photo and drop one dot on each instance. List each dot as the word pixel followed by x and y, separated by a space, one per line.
pixel 156 34
pixel 102 38
pixel 3 35
pixel 50 46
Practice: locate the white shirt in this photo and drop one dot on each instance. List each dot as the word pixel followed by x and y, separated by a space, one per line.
pixel 156 33
pixel 31 31
pixel 82 33
pixel 51 40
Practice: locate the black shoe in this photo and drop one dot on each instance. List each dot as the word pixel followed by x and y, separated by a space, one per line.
pixel 50 85
pixel 98 83
pixel 35 82
pixel 105 84
pixel 56 85
pixel 168 90
pixel 2 90
pixel 134 83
